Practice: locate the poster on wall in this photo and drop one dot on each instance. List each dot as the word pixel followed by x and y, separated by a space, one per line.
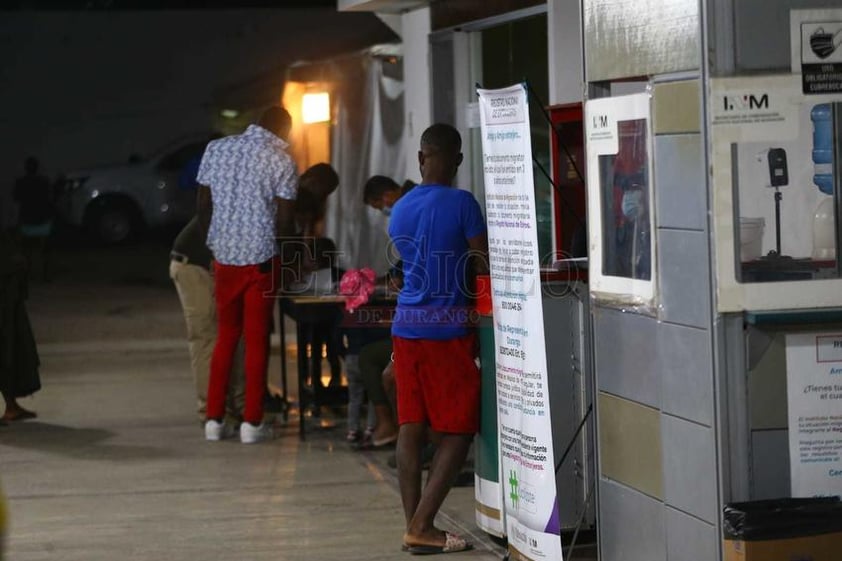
pixel 526 445
pixel 816 43
pixel 774 152
pixel 621 218
pixel 814 397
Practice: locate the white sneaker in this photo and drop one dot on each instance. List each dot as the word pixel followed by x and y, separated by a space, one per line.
pixel 252 434
pixel 214 430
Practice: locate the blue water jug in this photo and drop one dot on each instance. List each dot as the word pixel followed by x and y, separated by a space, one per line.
pixel 822 148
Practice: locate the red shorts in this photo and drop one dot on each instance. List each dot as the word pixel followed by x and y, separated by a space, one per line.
pixel 438 383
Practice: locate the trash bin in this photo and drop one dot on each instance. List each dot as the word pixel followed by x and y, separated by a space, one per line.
pixel 784 530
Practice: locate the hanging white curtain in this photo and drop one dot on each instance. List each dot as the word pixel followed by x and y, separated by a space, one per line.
pixel 367 140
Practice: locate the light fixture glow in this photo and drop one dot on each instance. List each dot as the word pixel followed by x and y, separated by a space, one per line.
pixel 229 113
pixel 315 108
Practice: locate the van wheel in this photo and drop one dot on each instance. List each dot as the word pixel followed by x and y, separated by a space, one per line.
pixel 114 223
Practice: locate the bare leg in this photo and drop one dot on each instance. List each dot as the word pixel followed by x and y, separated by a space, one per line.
pixel 411 438
pixel 385 427
pixel 447 463
pixel 389 385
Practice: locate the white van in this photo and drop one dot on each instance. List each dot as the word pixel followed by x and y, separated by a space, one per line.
pixel 115 202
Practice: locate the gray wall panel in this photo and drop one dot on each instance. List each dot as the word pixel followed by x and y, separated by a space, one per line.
pixel 770 464
pixel 625 38
pixel 762 31
pixel 658 364
pixel 631 525
pixel 767 393
pixel 687 373
pixel 625 346
pixel 680 182
pixel 683 266
pixel 690 539
pixel 690 468
pixel 565 397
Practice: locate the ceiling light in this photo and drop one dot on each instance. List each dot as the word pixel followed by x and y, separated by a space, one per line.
pixel 315 107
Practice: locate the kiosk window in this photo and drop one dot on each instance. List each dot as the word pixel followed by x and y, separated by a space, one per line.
pixel 626 205
pixel 786 195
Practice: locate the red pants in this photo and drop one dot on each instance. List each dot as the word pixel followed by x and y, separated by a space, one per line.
pixel 244 300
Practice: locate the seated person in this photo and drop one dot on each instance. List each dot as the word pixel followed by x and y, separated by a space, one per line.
pixel 319 276
pixel 375 357
pixel 381 192
pixel 314 187
pixel 315 258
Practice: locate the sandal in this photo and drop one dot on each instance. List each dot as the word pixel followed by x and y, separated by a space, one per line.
pixel 453 543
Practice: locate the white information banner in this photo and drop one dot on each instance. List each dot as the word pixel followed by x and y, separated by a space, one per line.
pixel 814 395
pixel 526 450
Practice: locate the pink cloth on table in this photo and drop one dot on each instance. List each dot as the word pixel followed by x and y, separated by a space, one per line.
pixel 357 285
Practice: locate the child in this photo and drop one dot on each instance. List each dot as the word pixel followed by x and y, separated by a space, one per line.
pixel 356 392
pixel 357 286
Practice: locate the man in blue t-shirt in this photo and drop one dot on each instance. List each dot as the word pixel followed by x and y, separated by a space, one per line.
pixel 440 235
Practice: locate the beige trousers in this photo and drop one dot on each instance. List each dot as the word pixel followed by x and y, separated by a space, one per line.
pixel 195 290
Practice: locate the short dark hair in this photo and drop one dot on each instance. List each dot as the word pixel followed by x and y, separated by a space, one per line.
pixel 276 119
pixel 376 186
pixel 321 175
pixel 442 136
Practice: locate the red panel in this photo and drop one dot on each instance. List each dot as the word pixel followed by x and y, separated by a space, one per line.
pixel 568 163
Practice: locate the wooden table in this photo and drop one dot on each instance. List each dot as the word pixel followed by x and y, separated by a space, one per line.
pixel 307 311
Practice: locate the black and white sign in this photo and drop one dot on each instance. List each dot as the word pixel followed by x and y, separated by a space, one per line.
pixel 819 48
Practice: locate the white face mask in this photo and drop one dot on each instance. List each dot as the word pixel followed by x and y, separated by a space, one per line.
pixel 386 210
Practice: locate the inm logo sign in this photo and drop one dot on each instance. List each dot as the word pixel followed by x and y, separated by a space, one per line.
pixel 748 101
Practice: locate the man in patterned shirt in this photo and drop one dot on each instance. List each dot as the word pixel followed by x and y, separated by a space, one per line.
pixel 247 190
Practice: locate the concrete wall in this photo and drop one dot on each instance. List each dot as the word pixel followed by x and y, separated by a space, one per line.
pixel 769 49
pixel 416 43
pixel 569 389
pixel 564 18
pixel 659 491
pixel 659 488
pixel 627 38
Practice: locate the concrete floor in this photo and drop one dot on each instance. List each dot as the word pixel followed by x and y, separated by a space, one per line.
pixel 116 466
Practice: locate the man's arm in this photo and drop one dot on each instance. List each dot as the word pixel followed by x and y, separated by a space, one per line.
pixel 204 209
pixel 479 254
pixel 288 246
